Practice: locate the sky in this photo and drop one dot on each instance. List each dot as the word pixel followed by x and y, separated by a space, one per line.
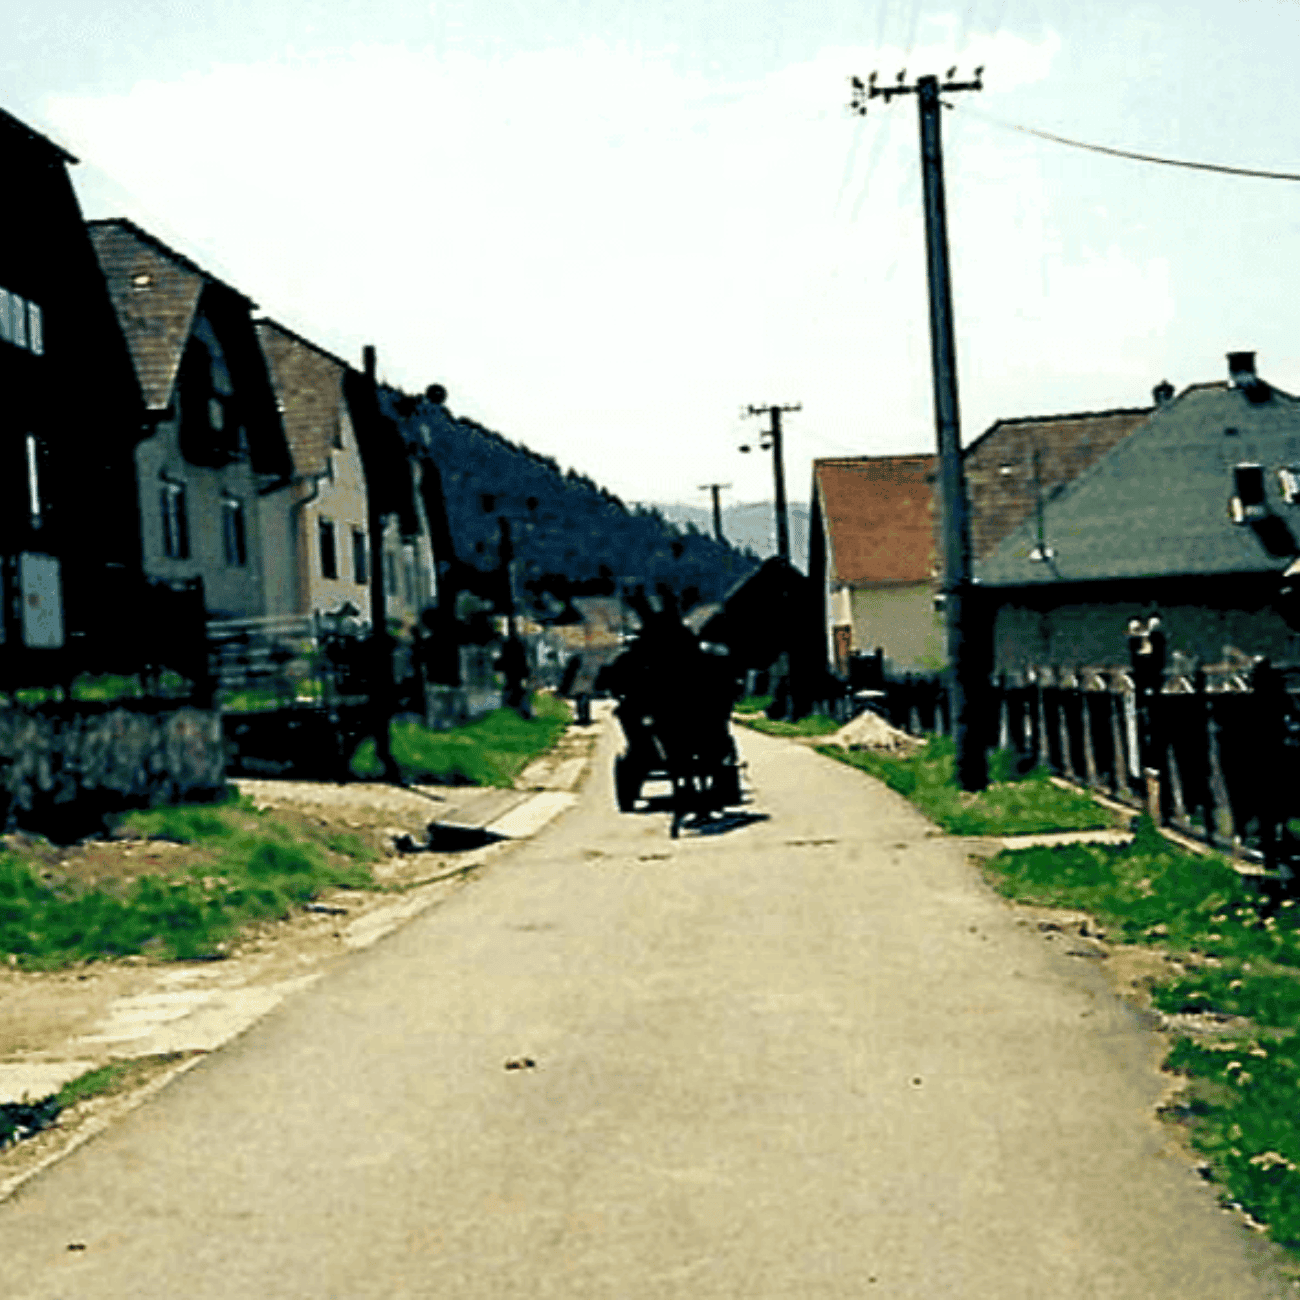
pixel 609 228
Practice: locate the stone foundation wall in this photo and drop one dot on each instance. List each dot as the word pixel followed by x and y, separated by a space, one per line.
pixel 115 757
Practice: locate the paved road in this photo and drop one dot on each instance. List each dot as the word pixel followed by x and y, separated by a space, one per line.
pixel 812 1057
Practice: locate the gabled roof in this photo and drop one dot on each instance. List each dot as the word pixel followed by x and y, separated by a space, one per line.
pixel 155 291
pixel 14 127
pixel 309 386
pixel 1157 505
pixel 877 518
pixel 1015 462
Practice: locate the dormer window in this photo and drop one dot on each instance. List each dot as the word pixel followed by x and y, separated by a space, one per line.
pixel 1288 478
pixel 1248 504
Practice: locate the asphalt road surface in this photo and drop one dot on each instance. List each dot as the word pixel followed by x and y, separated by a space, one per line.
pixel 811 1056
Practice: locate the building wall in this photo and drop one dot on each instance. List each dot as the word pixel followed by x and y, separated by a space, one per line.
pixel 903 621
pixel 341 499
pixel 230 591
pixel 1094 634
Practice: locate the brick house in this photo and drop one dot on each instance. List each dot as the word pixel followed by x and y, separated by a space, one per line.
pixel 1196 515
pixel 69 542
pixel 214 474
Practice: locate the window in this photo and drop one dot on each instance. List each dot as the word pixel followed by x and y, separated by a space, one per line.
pixel 1289 480
pixel 338 432
pixel 175 528
pixel 360 557
pixel 329 560
pixel 390 575
pixel 408 575
pixel 21 322
pixel 1248 503
pixel 232 531
pixel 33 481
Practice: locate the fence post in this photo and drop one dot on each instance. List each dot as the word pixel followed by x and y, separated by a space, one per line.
pixel 1222 827
pixel 1146 646
pixel 1269 702
pixel 1044 754
pixel 1063 693
pixel 1085 724
pixel 1118 760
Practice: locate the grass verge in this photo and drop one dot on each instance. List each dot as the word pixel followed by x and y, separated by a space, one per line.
pixel 245 866
pixel 815 724
pixel 752 704
pixel 1030 805
pixel 491 751
pixel 1231 955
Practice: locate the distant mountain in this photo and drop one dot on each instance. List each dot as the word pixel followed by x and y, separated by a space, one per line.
pixel 747 524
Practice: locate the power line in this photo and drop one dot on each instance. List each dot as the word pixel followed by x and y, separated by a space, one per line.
pixel 1129 153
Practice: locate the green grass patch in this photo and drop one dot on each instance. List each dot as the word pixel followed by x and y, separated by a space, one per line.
pixel 1028 806
pixel 252 868
pixel 491 751
pixel 815 724
pixel 1240 1104
pixel 752 704
pixel 1238 958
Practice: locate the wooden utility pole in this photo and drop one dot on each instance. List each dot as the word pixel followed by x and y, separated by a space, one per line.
pixel 773 436
pixel 715 488
pixel 383 688
pixel 972 767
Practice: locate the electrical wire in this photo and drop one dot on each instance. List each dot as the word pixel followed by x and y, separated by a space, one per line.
pixel 1130 154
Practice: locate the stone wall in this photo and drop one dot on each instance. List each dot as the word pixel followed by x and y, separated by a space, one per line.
pixel 72 764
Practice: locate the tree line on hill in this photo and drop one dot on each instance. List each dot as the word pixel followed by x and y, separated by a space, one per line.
pixel 569 535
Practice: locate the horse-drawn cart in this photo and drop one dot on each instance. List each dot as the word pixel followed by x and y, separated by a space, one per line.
pixel 674 705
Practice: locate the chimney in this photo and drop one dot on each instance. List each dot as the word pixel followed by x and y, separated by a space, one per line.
pixel 1163 392
pixel 1241 374
pixel 1241 369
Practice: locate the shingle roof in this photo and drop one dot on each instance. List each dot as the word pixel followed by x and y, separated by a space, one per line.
pixel 878 517
pixel 1013 461
pixel 155 291
pixel 1157 504
pixel 309 385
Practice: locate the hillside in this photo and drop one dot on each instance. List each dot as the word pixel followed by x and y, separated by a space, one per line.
pixel 569 534
pixel 747 525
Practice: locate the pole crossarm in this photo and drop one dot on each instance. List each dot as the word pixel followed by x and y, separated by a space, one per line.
pixel 865 91
pixel 778 470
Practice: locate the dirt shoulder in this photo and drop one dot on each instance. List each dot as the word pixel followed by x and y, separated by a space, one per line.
pixel 57 1025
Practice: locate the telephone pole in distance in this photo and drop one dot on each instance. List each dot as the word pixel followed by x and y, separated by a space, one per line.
pixel 972 768
pixel 773 436
pixel 715 488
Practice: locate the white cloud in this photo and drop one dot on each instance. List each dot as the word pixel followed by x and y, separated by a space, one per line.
pixel 598 253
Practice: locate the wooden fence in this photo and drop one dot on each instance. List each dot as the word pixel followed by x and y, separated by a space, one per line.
pixel 1213 753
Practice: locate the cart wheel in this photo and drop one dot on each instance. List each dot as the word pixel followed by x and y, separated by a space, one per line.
pixel 627 785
